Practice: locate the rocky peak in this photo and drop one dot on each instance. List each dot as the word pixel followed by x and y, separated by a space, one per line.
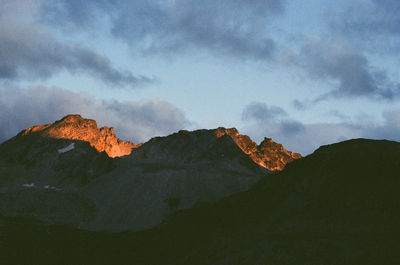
pixel 74 127
pixel 185 145
pixel 274 155
pixel 268 154
pixel 243 141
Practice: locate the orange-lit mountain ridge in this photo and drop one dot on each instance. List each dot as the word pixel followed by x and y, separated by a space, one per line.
pixel 74 127
pixel 267 154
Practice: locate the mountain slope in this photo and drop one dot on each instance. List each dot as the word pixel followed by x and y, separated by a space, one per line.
pixel 339 205
pixel 336 206
pixel 48 172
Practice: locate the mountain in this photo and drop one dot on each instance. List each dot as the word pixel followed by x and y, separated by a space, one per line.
pixel 72 172
pixel 268 154
pixel 74 127
pixel 339 205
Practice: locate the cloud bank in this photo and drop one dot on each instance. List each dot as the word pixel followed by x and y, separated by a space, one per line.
pixel 238 28
pixel 305 138
pixel 347 69
pixel 30 50
pixel 136 121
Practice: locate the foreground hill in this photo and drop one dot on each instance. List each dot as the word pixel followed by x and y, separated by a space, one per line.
pixel 72 172
pixel 339 205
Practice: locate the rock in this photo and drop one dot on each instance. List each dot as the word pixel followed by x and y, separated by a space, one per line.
pixel 74 127
pixel 186 145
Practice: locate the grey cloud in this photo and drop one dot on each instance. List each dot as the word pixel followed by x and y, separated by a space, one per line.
pixel 305 138
pixel 30 50
pixel 223 27
pixel 350 69
pixel 339 115
pixel 261 112
pixel 379 18
pixel 135 121
pixel 299 105
pixel 291 127
pixel 389 129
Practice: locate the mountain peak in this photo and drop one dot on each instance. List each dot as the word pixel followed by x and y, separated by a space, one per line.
pixel 185 145
pixel 75 127
pixel 229 131
pixel 77 119
pixel 268 153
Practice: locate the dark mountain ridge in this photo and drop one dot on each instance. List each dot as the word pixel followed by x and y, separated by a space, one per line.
pixel 339 205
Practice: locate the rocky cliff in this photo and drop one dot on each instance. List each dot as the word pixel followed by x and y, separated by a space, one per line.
pixel 268 154
pixel 74 127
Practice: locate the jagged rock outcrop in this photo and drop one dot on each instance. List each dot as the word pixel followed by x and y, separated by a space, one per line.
pixel 189 146
pixel 74 127
pixel 268 154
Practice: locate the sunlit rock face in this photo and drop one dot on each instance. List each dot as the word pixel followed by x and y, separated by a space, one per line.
pixel 268 154
pixel 74 127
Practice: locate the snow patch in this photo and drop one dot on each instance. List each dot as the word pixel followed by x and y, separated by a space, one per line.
pixel 29 185
pixel 66 149
pixel 48 187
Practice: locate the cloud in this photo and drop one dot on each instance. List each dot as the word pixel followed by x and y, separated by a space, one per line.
pixel 135 121
pixel 373 17
pixel 291 127
pixel 345 67
pixel 307 137
pixel 260 112
pixel 222 27
pixel 299 105
pixel 30 50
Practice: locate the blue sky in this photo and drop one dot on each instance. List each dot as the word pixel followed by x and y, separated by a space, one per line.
pixel 305 73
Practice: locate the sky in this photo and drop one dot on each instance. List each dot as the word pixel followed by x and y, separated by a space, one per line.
pixel 304 73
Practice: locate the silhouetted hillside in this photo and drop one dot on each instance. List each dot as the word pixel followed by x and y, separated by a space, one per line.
pixel 336 206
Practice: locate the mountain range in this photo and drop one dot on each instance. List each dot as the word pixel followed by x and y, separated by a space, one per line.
pixel 72 193
pixel 72 172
